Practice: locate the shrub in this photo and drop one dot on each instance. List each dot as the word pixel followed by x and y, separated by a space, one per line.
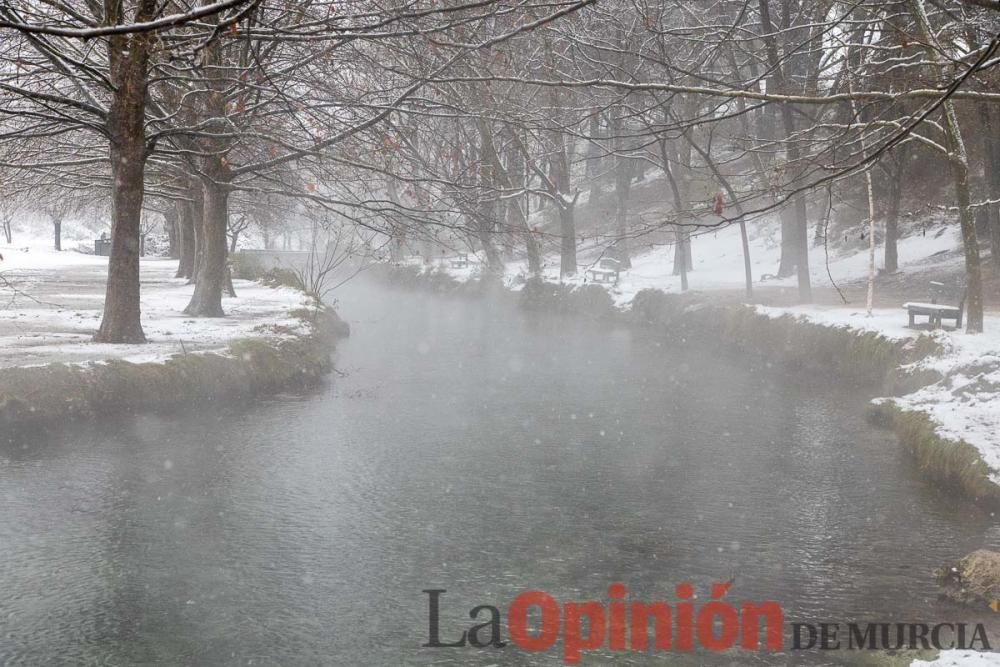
pixel 282 278
pixel 246 267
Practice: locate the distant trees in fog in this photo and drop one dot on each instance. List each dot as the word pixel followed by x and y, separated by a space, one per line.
pixel 499 125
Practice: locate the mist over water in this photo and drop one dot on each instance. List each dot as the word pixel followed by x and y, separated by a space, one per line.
pixel 471 447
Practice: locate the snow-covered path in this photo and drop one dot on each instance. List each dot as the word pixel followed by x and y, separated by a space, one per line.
pixel 53 304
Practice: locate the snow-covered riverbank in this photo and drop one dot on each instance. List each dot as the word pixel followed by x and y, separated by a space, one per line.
pixel 53 302
pixel 964 404
pixel 272 339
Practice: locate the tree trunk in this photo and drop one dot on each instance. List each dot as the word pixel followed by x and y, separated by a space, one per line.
pixel 870 296
pixel 230 289
pixel 129 59
pixel 623 188
pixel 802 246
pixel 486 228
pixel 517 207
pixel 895 192
pixel 967 220
pixel 207 298
pixel 682 251
pixel 745 244
pixel 57 235
pixel 959 159
pixel 530 242
pixel 870 197
pixel 680 204
pixel 795 224
pixel 198 226
pixel 121 323
pixel 210 263
pixel 681 185
pixel 185 240
pixel 171 223
pixel 891 259
pixel 594 159
pixel 786 265
pixel 621 242
pixel 560 180
pixel 991 150
pixel 397 227
pixel 567 246
pixel 567 223
pixel 489 206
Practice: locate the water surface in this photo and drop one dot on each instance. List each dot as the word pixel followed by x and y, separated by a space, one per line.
pixel 466 446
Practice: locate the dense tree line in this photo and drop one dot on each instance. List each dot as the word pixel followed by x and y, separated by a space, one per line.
pixel 493 122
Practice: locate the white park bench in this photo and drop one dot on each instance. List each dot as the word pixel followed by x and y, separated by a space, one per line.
pixel 606 271
pixel 936 313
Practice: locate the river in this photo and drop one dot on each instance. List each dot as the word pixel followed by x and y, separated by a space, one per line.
pixel 467 446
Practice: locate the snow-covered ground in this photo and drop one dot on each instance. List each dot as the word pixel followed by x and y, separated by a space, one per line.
pixel 718 262
pixel 957 658
pixel 55 305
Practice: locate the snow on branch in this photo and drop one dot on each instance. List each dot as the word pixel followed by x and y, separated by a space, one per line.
pixel 145 26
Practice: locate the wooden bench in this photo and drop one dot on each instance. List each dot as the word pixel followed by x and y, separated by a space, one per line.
pixel 936 313
pixel 606 271
pixel 460 262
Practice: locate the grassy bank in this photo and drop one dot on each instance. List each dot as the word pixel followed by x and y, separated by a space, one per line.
pixel 864 358
pixel 279 358
pixel 954 464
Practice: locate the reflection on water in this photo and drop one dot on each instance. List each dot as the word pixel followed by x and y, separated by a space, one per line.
pixel 469 448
